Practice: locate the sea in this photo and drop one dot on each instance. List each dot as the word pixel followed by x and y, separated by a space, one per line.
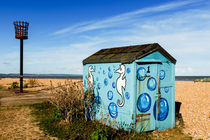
pixel 79 76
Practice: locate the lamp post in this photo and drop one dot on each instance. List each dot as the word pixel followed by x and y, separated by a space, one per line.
pixel 21 32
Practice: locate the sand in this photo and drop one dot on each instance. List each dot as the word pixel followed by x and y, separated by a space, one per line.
pixel 195 108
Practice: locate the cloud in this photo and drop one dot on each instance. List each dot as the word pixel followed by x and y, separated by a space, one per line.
pixel 181 27
pixel 122 19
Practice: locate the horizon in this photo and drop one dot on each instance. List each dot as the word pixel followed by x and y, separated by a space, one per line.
pixel 48 74
pixel 62 34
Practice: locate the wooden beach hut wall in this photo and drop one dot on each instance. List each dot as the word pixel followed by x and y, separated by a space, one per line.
pixel 134 87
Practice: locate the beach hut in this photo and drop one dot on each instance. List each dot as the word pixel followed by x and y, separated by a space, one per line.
pixel 134 87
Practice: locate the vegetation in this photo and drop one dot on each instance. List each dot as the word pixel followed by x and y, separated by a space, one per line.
pixel 202 80
pixel 32 82
pixel 63 117
pixel 1 87
pixel 14 85
pixel 51 122
pixel 68 99
pixel 205 80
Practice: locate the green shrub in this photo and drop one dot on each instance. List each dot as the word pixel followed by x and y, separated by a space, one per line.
pixel 14 85
pixel 205 80
pixel 99 134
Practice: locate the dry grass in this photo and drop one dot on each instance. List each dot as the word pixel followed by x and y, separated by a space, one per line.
pixel 68 98
pixel 195 106
pixel 16 123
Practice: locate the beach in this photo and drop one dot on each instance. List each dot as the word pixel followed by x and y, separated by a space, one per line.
pixel 194 96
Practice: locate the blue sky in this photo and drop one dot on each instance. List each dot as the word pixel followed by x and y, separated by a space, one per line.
pixel 63 33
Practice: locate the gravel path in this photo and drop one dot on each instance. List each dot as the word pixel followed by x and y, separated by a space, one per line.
pixel 195 108
pixel 17 123
pixel 23 99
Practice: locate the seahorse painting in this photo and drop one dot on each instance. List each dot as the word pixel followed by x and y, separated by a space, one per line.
pixel 121 83
pixel 90 76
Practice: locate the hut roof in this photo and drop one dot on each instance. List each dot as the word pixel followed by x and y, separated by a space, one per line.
pixel 126 54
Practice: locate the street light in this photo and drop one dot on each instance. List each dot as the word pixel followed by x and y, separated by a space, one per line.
pixel 21 32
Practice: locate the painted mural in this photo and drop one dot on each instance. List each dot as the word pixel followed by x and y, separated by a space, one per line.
pixel 110 85
pixel 90 76
pixel 121 84
pixel 93 80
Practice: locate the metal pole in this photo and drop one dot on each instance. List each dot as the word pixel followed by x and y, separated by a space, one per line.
pixel 21 65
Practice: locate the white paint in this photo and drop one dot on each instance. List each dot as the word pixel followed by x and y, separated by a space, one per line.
pixel 121 83
pixel 90 76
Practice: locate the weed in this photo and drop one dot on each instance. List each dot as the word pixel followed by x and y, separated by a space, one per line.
pixel 51 122
pixel 13 85
pixel 99 134
pixel 1 87
pixel 33 82
pixel 68 99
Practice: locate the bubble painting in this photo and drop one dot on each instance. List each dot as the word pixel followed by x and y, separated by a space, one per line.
pixel 113 110
pixel 163 109
pixel 162 74
pixel 141 73
pixel 144 102
pixel 110 95
pixel 151 84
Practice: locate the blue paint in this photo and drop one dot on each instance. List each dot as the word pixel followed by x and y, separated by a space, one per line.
pixel 99 86
pixel 163 109
pixel 85 82
pixel 144 102
pixel 105 81
pixel 128 70
pixel 162 74
pixel 113 110
pixel 94 83
pixel 141 73
pixel 166 89
pixel 151 84
pixel 110 95
pixel 98 100
pixel 104 72
pixel 127 95
pixel 88 114
pixel 98 72
pixel 110 74
pixel 113 85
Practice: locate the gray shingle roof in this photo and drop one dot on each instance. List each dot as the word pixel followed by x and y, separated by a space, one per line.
pixel 126 54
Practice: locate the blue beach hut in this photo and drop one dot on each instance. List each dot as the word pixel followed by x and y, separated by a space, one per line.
pixel 134 87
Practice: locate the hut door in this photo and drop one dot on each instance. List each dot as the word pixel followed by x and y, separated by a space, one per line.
pixel 147 89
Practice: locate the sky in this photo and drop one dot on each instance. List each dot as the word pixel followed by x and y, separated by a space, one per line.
pixel 63 33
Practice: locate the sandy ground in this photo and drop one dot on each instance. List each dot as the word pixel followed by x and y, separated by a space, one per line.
pixel 195 98
pixel 195 108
